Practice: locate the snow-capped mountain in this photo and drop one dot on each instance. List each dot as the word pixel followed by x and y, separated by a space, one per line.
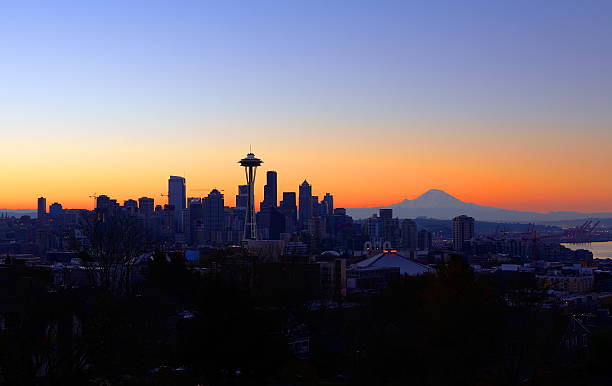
pixel 436 203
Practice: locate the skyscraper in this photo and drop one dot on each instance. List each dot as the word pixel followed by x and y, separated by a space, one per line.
pixel 131 207
pixel 270 191
pixel 288 208
pixel 177 196
pixel 277 223
pixel 409 235
pixel 316 209
pixel 42 208
pixel 103 203
pixel 194 204
pixel 146 206
pixel 193 200
pixel 305 209
pixel 242 198
pixel 329 203
pixel 213 214
pixel 106 207
pixel 424 241
pixel 250 164
pixel 389 227
pixel 385 213
pixel 463 231
pixel 56 211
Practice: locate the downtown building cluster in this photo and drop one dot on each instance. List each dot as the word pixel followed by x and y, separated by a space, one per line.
pixel 297 244
pixel 209 221
pixel 295 225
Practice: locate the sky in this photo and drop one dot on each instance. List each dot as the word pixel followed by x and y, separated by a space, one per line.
pixel 501 103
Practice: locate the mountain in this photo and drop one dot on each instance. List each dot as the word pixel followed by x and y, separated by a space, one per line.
pixel 433 198
pixel 436 203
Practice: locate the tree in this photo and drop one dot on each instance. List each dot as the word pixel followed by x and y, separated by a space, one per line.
pixel 114 243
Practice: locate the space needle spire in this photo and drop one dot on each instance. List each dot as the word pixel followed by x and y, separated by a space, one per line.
pixel 250 164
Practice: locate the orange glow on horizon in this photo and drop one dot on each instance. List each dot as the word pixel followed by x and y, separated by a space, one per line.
pixel 508 170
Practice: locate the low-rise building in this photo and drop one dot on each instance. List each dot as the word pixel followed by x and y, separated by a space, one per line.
pixel 378 271
pixel 573 279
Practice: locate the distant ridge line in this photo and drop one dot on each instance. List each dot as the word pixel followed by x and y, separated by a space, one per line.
pixel 436 203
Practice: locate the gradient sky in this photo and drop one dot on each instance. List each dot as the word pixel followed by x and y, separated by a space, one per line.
pixel 503 103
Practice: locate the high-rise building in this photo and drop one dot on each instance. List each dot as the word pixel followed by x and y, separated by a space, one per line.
pixel 340 212
pixel 385 213
pixel 315 206
pixel 288 208
pixel 328 199
pixel 56 211
pixel 242 198
pixel 146 206
pixel 103 203
pixel 383 228
pixel 268 209
pixel 276 223
pixel 341 227
pixel 270 223
pixel 305 209
pixel 193 200
pixel 316 230
pixel 42 208
pixel 169 224
pixel 213 213
pixel 250 164
pixel 270 191
pixel 234 224
pixel 409 235
pixel 372 227
pixel 463 231
pixel 322 209
pixel 177 195
pixel 184 224
pixel 131 207
pixel 196 219
pixel 390 228
pixel 424 242
pixel 104 207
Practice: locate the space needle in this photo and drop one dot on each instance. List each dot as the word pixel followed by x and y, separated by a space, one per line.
pixel 250 163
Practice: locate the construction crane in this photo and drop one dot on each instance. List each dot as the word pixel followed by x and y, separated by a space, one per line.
pixel 582 233
pixel 579 234
pixel 94 197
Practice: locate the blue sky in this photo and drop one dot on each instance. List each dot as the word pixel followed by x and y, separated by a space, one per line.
pixel 311 72
pixel 546 60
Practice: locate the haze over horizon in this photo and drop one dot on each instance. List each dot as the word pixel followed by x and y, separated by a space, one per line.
pixel 433 198
pixel 504 105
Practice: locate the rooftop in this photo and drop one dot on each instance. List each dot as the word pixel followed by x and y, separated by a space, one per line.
pixel 394 259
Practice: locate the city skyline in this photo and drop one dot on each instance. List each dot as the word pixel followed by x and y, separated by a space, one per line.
pixel 259 199
pixel 510 111
pixel 272 192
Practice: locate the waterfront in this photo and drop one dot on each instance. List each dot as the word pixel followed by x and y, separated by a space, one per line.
pixel 601 250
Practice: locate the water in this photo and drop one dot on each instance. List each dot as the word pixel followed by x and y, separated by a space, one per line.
pixel 601 250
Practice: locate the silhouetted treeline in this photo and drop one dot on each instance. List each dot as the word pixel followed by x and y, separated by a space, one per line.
pixel 186 327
